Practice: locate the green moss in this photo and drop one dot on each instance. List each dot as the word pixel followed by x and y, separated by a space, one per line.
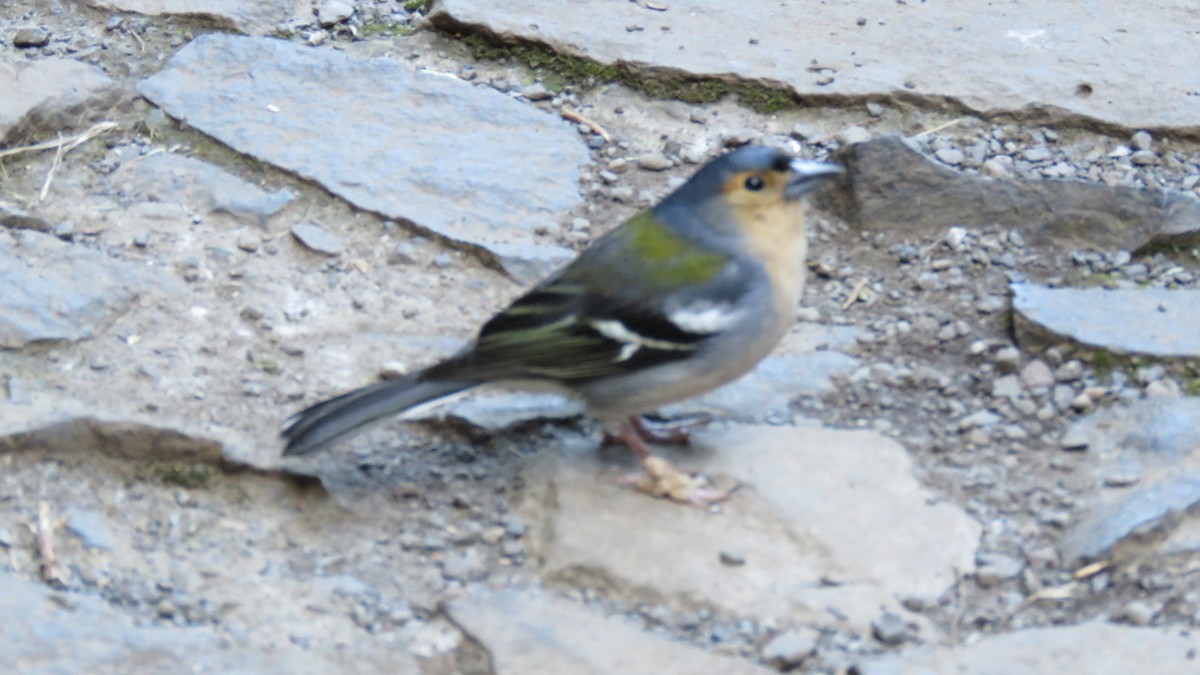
pixel 418 5
pixel 382 29
pixel 1193 386
pixel 191 476
pixel 1103 362
pixel 558 70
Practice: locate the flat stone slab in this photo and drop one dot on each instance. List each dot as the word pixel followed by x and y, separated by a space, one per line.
pixel 254 18
pixel 948 52
pixel 1145 458
pixel 39 98
pixel 831 524
pixel 1093 648
pixel 531 632
pixel 51 291
pixel 36 623
pixel 464 162
pixel 50 422
pixel 1167 321
pixel 170 178
pixel 892 186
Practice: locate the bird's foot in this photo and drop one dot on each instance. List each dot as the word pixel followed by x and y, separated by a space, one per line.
pixel 661 479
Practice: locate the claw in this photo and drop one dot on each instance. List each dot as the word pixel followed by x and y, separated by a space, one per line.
pixel 664 481
pixel 660 478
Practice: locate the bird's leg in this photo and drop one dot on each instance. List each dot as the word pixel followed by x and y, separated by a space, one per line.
pixel 666 435
pixel 660 431
pixel 661 479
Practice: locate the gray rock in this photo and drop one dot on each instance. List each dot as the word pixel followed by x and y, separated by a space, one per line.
pixel 58 292
pixel 817 504
pixel 118 437
pixel 853 135
pixel 790 648
pixel 994 568
pixel 537 92
pixel 1077 76
pixel 1136 613
pixel 1037 375
pixel 41 97
pixel 1148 512
pixel 890 629
pixel 1168 321
pixel 994 168
pixel 654 161
pixel 35 623
pixel 176 178
pixel 30 37
pixel 19 219
pixel 884 173
pixel 91 527
pixel 333 12
pixel 531 632
pixel 403 253
pixel 1150 448
pixel 951 156
pixel 318 239
pixel 468 565
pixel 1142 140
pixel 1008 386
pixel 254 18
pixel 1070 371
pixel 455 178
pixel 1097 647
pixel 1037 153
pixel 982 419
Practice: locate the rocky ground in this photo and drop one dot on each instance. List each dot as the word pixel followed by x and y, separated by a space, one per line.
pixel 977 452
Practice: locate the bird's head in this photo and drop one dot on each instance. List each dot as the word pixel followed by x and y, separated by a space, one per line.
pixel 750 183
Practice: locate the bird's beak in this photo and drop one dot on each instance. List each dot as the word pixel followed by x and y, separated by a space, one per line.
pixel 808 176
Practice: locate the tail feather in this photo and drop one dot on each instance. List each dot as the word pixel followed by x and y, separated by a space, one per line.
pixel 317 426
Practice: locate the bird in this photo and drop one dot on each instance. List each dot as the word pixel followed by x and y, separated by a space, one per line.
pixel 676 301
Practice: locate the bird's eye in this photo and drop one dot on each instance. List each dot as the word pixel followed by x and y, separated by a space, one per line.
pixel 755 183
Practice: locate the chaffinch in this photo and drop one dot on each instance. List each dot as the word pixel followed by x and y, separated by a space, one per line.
pixel 678 300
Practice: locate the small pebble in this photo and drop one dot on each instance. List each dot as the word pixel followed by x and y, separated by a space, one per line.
pixel 655 161
pixel 1145 158
pixel 30 37
pixel 1136 613
pixel 318 239
pixel 994 168
pixel 890 629
pixel 732 558
pixel 1037 153
pixel 951 156
pixel 333 12
pixel 403 253
pixel 537 92
pixel 392 370
pixel 790 648
pixel 853 135
pixel 1037 375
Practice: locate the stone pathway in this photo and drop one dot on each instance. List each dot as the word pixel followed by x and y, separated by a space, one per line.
pixel 983 58
pixel 429 150
pixel 273 220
